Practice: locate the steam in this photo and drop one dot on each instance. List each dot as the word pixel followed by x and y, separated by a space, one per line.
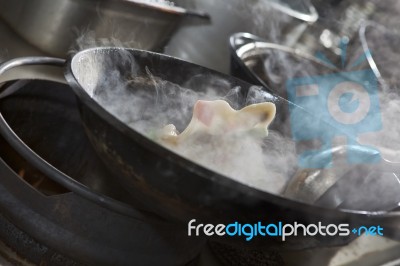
pixel 122 28
pixel 349 186
pixel 147 100
pixel 89 39
pixel 280 66
pixel 272 28
pixel 381 43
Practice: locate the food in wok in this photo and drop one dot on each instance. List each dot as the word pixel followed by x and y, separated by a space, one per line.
pixel 161 181
pixel 227 141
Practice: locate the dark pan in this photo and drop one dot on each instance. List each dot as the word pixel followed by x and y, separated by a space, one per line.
pixel 170 185
pixel 45 116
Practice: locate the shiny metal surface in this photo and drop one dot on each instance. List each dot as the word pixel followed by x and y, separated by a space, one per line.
pixel 309 185
pixel 208 45
pixel 271 64
pixel 302 10
pixel 54 25
pixel 12 46
pixel 380 44
pixel 340 20
pixel 342 185
pixel 44 166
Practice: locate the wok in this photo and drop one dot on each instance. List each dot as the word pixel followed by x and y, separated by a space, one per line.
pixel 165 183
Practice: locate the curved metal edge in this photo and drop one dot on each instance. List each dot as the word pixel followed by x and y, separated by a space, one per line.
pixel 25 61
pixel 364 43
pixel 241 39
pixel 243 42
pixel 42 165
pixel 171 9
pixel 250 41
pixel 310 17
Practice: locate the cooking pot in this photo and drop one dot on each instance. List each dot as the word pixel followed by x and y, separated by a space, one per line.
pixel 208 45
pixel 162 181
pixel 55 26
pixel 271 64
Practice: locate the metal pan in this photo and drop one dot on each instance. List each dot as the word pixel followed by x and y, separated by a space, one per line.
pixel 207 46
pixel 164 182
pixel 271 64
pixel 54 26
pixel 45 116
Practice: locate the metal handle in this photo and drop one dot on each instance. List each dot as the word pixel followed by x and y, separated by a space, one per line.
pixel 26 61
pixel 41 164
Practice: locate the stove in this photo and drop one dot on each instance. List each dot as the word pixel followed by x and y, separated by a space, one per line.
pixel 43 223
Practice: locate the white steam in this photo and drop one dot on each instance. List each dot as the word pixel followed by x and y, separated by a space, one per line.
pixel 362 190
pixel 147 103
pixel 382 44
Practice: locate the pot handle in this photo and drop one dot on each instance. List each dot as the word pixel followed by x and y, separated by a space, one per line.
pixel 26 61
pixel 38 162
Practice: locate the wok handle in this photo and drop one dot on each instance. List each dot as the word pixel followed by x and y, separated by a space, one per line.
pixel 26 61
pixel 38 162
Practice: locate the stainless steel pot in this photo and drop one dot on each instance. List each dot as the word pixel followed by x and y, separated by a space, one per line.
pixel 54 25
pixel 270 64
pixel 277 21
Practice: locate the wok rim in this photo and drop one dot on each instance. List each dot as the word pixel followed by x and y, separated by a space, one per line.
pixel 203 172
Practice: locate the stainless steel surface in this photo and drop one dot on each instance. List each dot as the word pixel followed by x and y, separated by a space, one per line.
pixel 309 185
pixel 208 46
pixel 273 64
pixel 329 186
pixel 340 20
pixel 380 45
pixel 337 23
pixel 302 10
pixel 25 61
pixel 54 25
pixel 12 46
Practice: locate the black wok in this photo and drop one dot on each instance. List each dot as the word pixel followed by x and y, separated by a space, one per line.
pixel 168 184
